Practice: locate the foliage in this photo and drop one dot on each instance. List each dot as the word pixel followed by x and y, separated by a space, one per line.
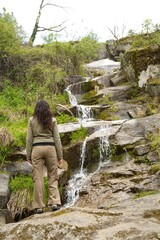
pixel 105 100
pixel 88 48
pixel 72 55
pixel 155 141
pixel 145 193
pixel 78 135
pixel 11 34
pixel 65 118
pixel 155 168
pixel 6 151
pixel 22 182
pixel 12 97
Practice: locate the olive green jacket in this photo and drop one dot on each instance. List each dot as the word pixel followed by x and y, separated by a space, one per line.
pixel 37 134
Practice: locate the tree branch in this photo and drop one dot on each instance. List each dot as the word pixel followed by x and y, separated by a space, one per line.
pixel 41 29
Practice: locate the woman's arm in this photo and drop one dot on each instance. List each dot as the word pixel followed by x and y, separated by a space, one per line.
pixel 57 140
pixel 29 141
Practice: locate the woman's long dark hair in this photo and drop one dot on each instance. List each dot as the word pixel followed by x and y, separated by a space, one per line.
pixel 43 114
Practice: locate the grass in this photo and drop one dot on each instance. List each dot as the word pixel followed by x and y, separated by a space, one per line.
pixel 145 193
pixel 78 135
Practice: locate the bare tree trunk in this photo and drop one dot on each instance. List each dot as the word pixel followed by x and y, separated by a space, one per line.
pixel 35 29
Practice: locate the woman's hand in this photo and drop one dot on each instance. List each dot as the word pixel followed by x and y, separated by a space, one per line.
pixel 29 161
pixel 60 161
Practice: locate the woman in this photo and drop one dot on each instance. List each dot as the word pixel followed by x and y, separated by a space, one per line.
pixel 43 146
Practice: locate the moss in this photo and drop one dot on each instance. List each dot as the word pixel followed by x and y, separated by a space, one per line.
pixel 142 57
pixel 154 168
pixel 145 193
pixel 89 86
pixel 142 159
pixel 90 94
pixel 154 139
pixel 154 82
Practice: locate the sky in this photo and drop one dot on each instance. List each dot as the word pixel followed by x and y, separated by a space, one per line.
pixel 84 16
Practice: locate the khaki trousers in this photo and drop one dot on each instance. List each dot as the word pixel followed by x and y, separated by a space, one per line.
pixel 45 155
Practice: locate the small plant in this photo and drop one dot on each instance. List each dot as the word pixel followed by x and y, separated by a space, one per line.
pixel 79 135
pixel 20 183
pixel 64 118
pixel 105 100
pixel 155 141
pixel 145 193
pixel 155 168
pixel 22 195
pixel 6 151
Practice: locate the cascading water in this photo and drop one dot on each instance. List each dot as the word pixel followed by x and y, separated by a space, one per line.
pixel 83 112
pixel 104 147
pixel 79 179
pixel 75 184
pixel 72 98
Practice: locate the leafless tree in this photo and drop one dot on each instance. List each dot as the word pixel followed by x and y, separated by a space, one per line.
pixel 116 33
pixel 38 28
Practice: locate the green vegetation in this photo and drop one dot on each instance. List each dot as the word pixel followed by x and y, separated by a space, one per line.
pixel 11 35
pixel 64 118
pixel 154 139
pixel 20 183
pixel 145 193
pixel 26 182
pixel 155 168
pixel 78 135
pixel 148 36
pixel 32 73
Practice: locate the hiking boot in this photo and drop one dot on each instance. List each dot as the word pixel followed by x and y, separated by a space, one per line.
pixel 55 207
pixel 39 210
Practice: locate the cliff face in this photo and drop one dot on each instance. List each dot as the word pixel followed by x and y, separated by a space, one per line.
pixel 140 60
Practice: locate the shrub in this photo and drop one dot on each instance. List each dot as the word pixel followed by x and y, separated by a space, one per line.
pixel 78 135
pixel 11 34
pixel 64 118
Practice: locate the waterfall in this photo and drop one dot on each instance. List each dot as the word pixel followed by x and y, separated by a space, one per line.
pixel 104 146
pixel 83 112
pixel 78 179
pixel 72 98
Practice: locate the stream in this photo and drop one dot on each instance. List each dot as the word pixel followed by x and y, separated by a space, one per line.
pixel 85 114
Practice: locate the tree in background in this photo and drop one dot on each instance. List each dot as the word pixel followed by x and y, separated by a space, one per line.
pixel 11 35
pixel 38 28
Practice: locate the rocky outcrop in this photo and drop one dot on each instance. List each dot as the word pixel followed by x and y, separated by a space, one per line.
pixel 119 197
pixel 107 211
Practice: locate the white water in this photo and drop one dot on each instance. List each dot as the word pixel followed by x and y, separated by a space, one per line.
pixel 84 113
pixel 104 147
pixel 79 179
pixel 72 98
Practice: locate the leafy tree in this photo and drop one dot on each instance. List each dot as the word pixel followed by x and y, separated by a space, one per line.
pixel 147 26
pixel 11 35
